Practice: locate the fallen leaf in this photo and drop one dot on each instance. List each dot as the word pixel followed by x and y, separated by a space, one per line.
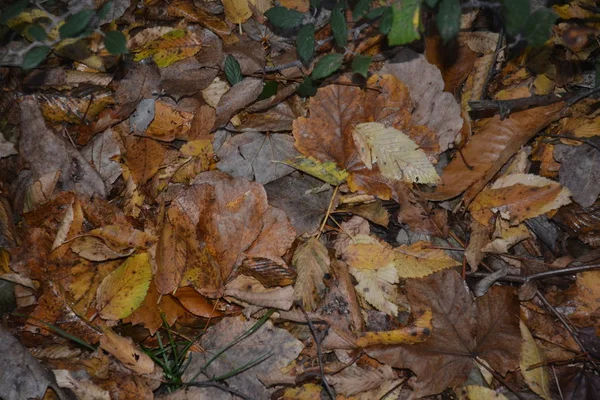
pixel 251 291
pixel 312 263
pixel 579 171
pixel 168 48
pixel 124 350
pixel 253 155
pixel 533 365
pixel 124 289
pixel 416 333
pixel 237 11
pixel 518 197
pixel 396 155
pixel 434 108
pixel 417 260
pixel 489 149
pixel 378 287
pixel 236 98
pixel 267 340
pixel 22 375
pixel 354 380
pixel 462 329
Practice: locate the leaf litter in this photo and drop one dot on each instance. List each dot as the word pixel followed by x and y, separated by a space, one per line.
pixel 186 224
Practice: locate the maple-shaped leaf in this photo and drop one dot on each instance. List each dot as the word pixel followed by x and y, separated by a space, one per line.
pixel 463 329
pixel 397 156
pixel 124 289
pixel 489 149
pixel 518 197
pixel 253 155
pixel 312 262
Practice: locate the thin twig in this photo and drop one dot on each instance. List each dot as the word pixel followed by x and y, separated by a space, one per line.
pixel 317 339
pixel 498 377
pixel 492 70
pixel 328 211
pixel 540 275
pixel 571 137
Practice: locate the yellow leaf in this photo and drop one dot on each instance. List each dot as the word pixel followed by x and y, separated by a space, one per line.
pixel 312 262
pixel 237 11
pixel 377 287
pixel 474 392
pixel 325 171
pixel 397 156
pixel 537 377
pixel 124 289
pixel 417 333
pixel 417 260
pixel 366 252
pixel 308 391
pixel 171 47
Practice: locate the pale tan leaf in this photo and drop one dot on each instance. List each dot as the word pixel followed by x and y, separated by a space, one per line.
pixel 251 291
pixel 397 156
pixel 378 288
pixel 474 392
pixel 94 249
pixel 533 365
pixel 354 380
pixel 124 350
pixel 312 262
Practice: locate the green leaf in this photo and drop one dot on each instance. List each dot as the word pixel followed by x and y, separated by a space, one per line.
pixel 307 88
pixel 360 64
pixel 538 27
pixel 376 12
pixel 362 7
pixel 327 65
pixel 104 10
pixel 385 23
pixel 284 18
pixel 515 13
pixel 13 11
pixel 305 43
pixel 233 71
pixel 314 3
pixel 406 23
pixel 115 42
pixel 35 56
pixel 37 32
pixel 448 19
pixel 338 26
pixel 431 3
pixel 269 89
pixel 75 24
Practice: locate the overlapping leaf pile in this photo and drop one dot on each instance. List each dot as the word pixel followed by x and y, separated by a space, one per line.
pixel 376 231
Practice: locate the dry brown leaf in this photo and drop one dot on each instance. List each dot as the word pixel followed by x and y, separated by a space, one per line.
pixel 489 149
pixel 144 157
pixel 462 329
pixel 236 98
pixel 251 291
pixel 518 197
pixel 312 263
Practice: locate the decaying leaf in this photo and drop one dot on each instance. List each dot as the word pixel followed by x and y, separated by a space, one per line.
pixel 462 329
pixel 312 263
